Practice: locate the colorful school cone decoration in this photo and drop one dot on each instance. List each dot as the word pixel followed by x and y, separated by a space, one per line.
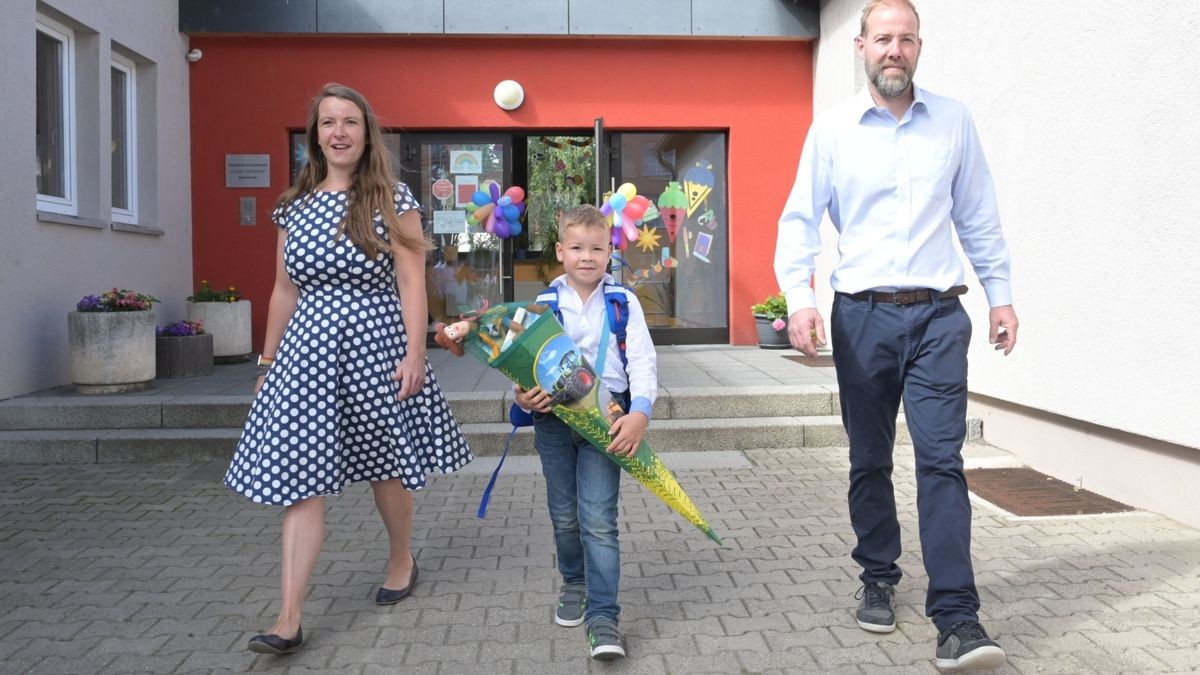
pixel 527 343
pixel 625 209
pixel 499 213
pixel 698 181
pixel 672 206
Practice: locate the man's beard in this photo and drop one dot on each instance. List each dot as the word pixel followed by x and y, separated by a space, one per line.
pixel 889 84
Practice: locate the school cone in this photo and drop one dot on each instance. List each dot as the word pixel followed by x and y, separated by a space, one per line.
pixel 541 354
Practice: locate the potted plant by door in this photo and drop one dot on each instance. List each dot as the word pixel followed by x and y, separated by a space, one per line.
pixel 226 316
pixel 183 349
pixel 112 342
pixel 770 317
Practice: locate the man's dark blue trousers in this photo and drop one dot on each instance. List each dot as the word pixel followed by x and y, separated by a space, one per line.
pixel 885 353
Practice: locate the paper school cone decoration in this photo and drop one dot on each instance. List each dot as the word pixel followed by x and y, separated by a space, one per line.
pixel 528 345
pixel 698 181
pixel 672 206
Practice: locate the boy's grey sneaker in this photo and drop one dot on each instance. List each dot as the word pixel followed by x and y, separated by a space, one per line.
pixel 605 641
pixel 966 646
pixel 572 601
pixel 877 609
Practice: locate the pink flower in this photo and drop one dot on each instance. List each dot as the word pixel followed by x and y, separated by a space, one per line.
pixel 778 324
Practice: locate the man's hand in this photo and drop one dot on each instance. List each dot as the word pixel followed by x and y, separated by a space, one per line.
pixel 532 399
pixel 1002 328
pixel 801 325
pixel 627 433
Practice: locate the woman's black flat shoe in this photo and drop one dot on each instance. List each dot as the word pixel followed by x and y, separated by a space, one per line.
pixel 273 644
pixel 387 596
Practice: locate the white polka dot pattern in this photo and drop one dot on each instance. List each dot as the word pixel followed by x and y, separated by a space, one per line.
pixel 327 413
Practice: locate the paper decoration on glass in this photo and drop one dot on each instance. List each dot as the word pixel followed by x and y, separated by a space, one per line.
pixel 698 181
pixel 466 161
pixel 672 206
pixel 703 244
pixel 648 239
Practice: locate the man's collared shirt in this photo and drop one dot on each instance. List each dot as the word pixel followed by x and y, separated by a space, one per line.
pixel 894 191
pixel 582 319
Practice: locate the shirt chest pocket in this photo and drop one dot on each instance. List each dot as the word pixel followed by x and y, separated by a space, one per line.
pixel 932 171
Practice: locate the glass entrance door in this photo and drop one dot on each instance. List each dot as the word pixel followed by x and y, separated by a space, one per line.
pixel 467 267
pixel 678 265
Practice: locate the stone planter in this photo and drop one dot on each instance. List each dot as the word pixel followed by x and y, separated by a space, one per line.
pixel 111 352
pixel 183 355
pixel 229 325
pixel 769 338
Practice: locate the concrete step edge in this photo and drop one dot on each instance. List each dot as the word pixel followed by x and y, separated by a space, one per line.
pixel 206 444
pixel 200 411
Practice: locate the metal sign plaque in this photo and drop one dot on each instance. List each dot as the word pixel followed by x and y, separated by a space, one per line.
pixel 247 171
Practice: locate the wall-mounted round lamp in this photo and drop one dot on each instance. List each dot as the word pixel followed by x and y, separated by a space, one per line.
pixel 194 55
pixel 509 95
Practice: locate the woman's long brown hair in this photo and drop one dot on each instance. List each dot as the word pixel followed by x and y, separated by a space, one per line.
pixel 372 188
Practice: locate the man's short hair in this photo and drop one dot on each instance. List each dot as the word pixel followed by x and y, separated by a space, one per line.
pixel 873 4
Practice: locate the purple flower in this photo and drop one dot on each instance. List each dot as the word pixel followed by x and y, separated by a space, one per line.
pixel 778 324
pixel 91 303
pixel 180 329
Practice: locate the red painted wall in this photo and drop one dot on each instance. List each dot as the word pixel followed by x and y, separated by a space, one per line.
pixel 247 91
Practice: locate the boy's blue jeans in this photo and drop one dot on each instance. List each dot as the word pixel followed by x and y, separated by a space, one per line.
pixel 582 488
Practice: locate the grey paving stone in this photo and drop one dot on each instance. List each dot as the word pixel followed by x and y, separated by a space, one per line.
pixel 777 599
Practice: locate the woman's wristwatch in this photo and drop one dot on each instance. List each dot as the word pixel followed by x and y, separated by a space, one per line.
pixel 264 365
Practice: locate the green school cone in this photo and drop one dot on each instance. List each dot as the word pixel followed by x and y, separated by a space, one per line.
pixel 541 354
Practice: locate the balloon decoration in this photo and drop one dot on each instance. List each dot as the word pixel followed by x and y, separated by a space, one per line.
pixel 499 213
pixel 625 209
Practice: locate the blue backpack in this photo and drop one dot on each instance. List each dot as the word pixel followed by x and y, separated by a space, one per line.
pixel 617 304
pixel 615 301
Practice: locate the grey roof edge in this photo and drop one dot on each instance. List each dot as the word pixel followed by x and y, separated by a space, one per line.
pixel 786 20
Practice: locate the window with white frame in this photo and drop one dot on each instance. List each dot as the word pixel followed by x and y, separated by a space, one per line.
pixel 124 140
pixel 55 117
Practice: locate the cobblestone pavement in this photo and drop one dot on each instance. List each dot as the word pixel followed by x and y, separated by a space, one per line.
pixel 159 568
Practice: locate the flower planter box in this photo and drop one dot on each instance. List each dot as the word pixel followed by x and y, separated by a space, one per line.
pixel 111 352
pixel 229 325
pixel 184 355
pixel 769 338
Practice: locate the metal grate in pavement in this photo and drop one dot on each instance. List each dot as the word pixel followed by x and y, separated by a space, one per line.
pixel 1025 492
pixel 819 361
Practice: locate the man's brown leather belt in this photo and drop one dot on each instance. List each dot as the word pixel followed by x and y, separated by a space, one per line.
pixel 915 297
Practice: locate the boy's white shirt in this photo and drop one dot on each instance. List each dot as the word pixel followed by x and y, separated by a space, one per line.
pixel 582 321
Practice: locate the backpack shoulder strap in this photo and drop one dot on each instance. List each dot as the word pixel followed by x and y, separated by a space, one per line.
pixel 549 297
pixel 616 302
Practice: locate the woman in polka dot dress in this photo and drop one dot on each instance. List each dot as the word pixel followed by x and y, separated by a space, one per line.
pixel 349 395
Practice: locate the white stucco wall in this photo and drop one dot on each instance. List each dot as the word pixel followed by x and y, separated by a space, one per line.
pixel 46 268
pixel 1082 108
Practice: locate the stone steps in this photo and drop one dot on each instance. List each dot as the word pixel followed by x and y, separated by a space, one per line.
pixel 131 428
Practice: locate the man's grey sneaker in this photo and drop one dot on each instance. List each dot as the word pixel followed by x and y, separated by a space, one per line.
pixel 605 641
pixel 572 600
pixel 877 607
pixel 966 646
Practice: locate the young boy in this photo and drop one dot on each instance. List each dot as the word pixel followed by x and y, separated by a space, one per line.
pixel 582 485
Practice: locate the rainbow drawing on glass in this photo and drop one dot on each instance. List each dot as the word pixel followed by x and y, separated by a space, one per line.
pixel 527 343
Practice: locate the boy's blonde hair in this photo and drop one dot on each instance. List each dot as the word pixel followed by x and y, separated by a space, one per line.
pixel 584 215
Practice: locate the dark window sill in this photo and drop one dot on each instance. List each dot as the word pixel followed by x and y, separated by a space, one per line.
pixel 138 229
pixel 63 219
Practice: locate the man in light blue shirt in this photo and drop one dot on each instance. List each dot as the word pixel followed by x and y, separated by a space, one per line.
pixel 900 170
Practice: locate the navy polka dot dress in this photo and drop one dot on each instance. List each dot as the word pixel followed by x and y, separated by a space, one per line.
pixel 327 413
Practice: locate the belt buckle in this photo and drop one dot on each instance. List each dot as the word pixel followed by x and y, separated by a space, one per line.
pixel 902 298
